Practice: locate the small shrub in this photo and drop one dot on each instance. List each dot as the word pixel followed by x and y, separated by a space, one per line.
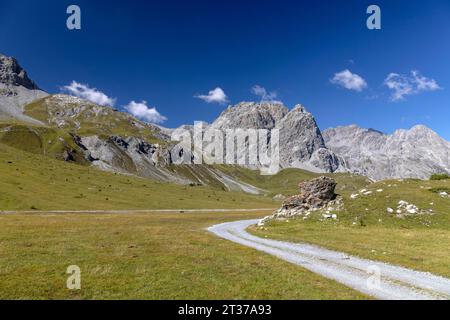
pixel 439 177
pixel 362 223
pixel 440 189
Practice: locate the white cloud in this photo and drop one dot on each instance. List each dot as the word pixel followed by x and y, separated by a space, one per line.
pixel 349 80
pixel 264 94
pixel 424 83
pixel 92 94
pixel 404 85
pixel 145 113
pixel 214 96
pixel 400 85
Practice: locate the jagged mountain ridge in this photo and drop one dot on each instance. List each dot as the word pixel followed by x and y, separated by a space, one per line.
pixel 16 90
pixel 116 141
pixel 301 142
pixel 11 73
pixel 72 129
pixel 415 153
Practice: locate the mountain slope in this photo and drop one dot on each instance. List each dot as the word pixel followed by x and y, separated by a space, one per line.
pixel 415 153
pixel 36 182
pixel 72 129
pixel 16 90
pixel 86 118
pixel 116 141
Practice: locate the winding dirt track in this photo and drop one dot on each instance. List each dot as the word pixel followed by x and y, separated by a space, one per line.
pixel 394 283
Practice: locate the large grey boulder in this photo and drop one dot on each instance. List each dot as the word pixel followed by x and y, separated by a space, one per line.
pixel 314 193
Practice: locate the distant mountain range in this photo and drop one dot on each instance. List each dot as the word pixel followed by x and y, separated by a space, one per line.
pixel 72 129
pixel 415 153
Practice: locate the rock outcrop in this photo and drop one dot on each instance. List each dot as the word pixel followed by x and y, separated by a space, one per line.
pixel 415 153
pixel 12 74
pixel 16 90
pixel 316 194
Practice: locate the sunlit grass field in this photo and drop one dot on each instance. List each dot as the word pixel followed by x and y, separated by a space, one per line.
pixel 145 256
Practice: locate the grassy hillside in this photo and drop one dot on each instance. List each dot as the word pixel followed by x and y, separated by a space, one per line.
pixel 286 181
pixel 31 181
pixel 89 119
pixel 41 140
pixel 366 229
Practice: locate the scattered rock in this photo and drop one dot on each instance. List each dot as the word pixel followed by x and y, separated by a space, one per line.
pixel 405 208
pixel 68 155
pixel 279 197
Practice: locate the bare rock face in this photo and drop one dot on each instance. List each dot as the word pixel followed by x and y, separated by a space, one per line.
pixel 415 153
pixel 251 115
pixel 16 90
pixel 128 155
pixel 301 142
pixel 11 73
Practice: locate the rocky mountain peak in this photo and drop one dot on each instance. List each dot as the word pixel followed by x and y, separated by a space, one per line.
pixel 407 153
pixel 299 108
pixel 251 115
pixel 301 142
pixel 11 73
pixel 419 130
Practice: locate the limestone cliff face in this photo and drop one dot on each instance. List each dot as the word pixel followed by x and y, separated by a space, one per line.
pixel 16 90
pixel 301 142
pixel 415 153
pixel 11 73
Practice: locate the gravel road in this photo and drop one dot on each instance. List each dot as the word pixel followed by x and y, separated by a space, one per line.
pixel 393 282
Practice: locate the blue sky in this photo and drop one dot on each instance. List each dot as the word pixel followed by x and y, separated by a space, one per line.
pixel 168 52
